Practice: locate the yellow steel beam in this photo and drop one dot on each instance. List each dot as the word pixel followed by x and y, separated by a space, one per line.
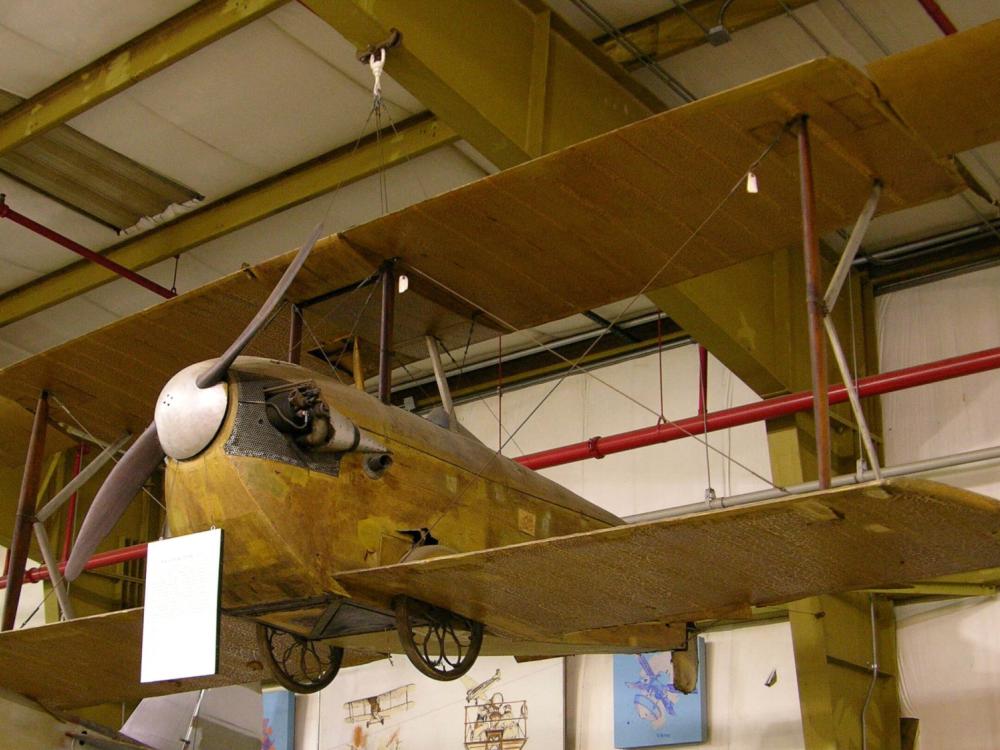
pixel 751 316
pixel 175 38
pixel 316 177
pixel 674 31
pixel 512 78
pixel 833 645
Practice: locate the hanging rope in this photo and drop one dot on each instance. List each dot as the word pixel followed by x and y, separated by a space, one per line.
pixel 376 63
pixel 95 441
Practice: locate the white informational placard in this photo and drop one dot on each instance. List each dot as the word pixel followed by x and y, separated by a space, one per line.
pixel 180 626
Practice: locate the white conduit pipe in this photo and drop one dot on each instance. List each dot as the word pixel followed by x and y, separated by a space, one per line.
pixel 749 498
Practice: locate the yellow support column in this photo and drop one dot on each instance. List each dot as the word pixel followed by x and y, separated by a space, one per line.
pixel 832 636
pixel 752 317
pixel 832 639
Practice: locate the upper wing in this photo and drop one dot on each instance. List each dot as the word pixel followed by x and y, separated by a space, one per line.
pixel 612 216
pixel 939 88
pixel 708 564
pixel 16 429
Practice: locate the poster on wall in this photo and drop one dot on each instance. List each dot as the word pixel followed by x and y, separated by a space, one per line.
pixel 649 710
pixel 498 705
pixel 279 720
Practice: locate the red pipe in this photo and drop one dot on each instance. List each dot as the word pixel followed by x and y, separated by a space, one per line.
pixel 100 560
pixel 940 17
pixel 71 505
pixel 6 212
pixel 873 385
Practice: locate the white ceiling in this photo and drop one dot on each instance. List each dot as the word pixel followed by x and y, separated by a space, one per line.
pixel 287 88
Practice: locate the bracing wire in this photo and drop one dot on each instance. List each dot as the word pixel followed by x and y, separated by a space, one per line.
pixel 94 440
pixel 575 365
pixel 703 389
pixel 34 612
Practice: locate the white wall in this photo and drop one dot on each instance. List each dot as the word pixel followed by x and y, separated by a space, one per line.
pixel 949 654
pixel 30 602
pixel 742 712
pixel 659 476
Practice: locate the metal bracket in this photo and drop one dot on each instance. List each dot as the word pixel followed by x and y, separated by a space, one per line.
pixel 712 500
pixel 394 39
pixel 594 447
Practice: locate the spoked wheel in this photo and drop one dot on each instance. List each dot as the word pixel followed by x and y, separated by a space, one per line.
pixel 299 664
pixel 439 643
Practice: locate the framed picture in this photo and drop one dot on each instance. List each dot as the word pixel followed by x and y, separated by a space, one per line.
pixel 649 710
pixel 279 720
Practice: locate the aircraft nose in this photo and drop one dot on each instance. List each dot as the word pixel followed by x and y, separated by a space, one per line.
pixel 188 417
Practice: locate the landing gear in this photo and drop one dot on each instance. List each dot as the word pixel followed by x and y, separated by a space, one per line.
pixel 298 664
pixel 439 643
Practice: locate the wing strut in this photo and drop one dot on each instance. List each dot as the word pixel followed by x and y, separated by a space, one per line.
pixel 388 276
pixel 439 376
pixel 25 512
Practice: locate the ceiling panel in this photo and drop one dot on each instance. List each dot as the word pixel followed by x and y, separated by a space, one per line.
pixel 40 43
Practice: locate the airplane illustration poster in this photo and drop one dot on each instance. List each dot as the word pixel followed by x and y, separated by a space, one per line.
pixel 649 710
pixel 388 705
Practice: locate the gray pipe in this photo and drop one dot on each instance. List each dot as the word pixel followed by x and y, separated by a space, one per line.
pixel 749 498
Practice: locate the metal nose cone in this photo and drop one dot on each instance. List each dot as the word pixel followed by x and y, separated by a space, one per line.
pixel 188 417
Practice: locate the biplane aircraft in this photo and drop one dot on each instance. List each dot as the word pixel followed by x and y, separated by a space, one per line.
pixel 354 527
pixel 375 709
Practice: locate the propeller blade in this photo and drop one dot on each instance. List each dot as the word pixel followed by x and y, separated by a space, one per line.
pixel 122 484
pixel 217 372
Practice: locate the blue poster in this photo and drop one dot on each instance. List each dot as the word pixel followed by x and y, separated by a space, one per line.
pixel 649 710
pixel 279 720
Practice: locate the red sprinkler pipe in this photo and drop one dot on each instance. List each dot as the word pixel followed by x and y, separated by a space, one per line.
pixel 100 560
pixel 6 212
pixel 873 385
pixel 939 16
